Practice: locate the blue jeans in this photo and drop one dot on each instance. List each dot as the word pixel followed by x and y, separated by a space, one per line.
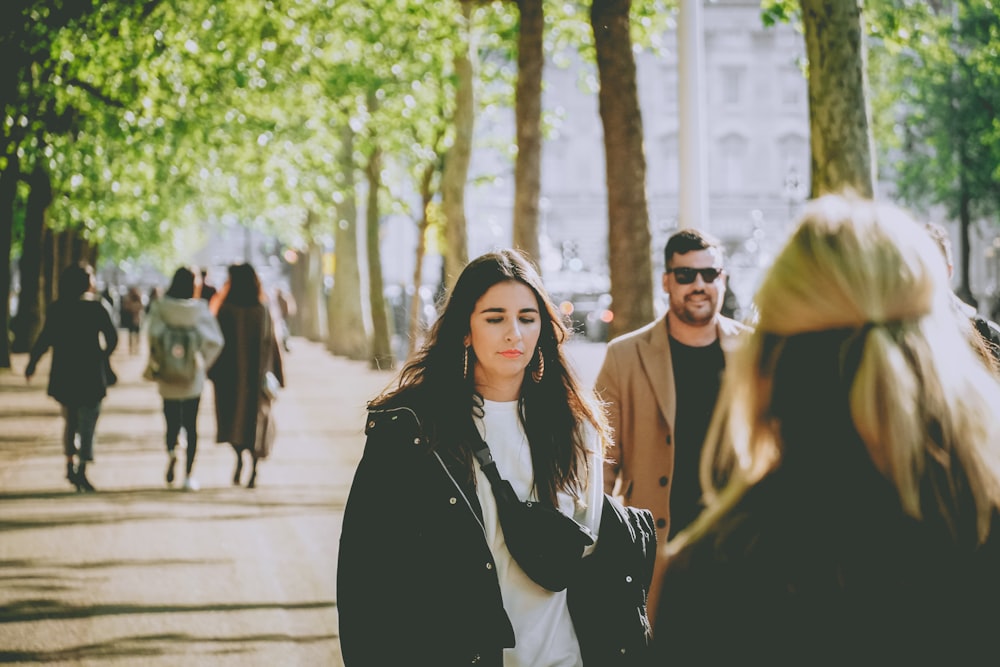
pixel 81 420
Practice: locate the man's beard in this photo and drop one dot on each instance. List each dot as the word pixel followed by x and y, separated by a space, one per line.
pixel 697 316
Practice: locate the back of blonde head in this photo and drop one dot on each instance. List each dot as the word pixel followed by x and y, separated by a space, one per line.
pixel 918 396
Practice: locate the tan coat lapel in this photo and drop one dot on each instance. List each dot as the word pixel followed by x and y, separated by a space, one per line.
pixel 654 356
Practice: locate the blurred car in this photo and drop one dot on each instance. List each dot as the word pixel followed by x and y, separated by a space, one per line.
pixel 599 320
pixel 398 299
pixel 587 314
pixel 582 298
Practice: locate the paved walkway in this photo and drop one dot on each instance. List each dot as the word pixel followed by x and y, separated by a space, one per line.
pixel 142 574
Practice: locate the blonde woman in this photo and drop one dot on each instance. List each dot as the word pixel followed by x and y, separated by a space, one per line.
pixel 853 466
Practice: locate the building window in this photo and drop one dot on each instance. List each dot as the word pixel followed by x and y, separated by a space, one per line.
pixel 670 157
pixel 732 85
pixel 732 175
pixel 793 87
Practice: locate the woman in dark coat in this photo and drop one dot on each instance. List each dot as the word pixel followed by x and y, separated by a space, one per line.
pixel 242 407
pixel 80 373
pixel 429 571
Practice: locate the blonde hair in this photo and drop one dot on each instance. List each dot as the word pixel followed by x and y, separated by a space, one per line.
pixel 916 394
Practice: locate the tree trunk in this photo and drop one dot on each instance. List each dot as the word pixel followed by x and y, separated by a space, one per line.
pixel 415 334
pixel 298 279
pixel 528 114
pixel 50 253
pixel 346 324
pixel 456 166
pixel 313 320
pixel 27 322
pixel 381 358
pixel 8 194
pixel 843 155
pixel 629 239
pixel 964 291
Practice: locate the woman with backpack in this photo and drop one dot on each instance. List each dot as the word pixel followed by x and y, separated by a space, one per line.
pixel 250 358
pixel 80 372
pixel 184 341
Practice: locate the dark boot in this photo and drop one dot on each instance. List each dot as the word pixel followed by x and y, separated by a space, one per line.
pixel 71 475
pixel 253 474
pixel 239 468
pixel 83 484
pixel 171 463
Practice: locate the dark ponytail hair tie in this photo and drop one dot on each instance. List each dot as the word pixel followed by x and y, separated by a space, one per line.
pixel 852 349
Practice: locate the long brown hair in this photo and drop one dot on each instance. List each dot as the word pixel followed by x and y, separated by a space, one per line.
pixel 185 284
pixel 553 411
pixel 242 288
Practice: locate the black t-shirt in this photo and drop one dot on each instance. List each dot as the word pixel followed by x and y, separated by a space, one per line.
pixel 697 376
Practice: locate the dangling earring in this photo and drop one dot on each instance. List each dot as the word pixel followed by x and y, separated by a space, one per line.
pixel 465 363
pixel 537 374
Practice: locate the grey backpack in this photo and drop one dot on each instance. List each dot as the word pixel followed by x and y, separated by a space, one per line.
pixel 174 354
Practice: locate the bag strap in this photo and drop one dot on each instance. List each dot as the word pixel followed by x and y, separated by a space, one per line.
pixel 486 462
pixel 502 489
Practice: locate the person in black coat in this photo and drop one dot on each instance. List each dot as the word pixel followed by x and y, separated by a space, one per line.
pixel 428 571
pixel 852 468
pixel 80 372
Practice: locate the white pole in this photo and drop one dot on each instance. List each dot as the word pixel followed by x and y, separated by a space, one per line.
pixel 692 143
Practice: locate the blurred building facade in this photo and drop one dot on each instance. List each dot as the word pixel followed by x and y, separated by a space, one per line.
pixel 757 143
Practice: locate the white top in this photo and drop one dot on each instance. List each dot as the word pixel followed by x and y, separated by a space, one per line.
pixel 543 631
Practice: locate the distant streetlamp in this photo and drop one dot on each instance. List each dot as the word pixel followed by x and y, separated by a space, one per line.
pixel 793 188
pixel 247 244
pixel 746 266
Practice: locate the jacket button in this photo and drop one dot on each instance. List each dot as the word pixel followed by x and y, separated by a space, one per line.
pixel 628 579
pixel 371 424
pixel 664 480
pixel 453 500
pixel 622 651
pixel 661 523
pixel 416 441
pixel 489 566
pixel 475 659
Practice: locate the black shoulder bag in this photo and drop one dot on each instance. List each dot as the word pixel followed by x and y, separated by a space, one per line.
pixel 547 544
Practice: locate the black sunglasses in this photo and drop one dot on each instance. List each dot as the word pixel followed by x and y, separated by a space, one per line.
pixel 686 275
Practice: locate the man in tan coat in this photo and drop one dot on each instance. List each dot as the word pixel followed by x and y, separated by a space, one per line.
pixel 661 383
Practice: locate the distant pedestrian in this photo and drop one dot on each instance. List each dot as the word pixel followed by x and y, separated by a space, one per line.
pixel 111 301
pixel 250 352
pixel 131 317
pixel 185 317
pixel 207 289
pixel 155 292
pixel 81 371
pixel 284 308
pixel 853 479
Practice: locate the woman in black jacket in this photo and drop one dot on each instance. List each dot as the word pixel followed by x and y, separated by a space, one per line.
pixel 428 570
pixel 80 372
